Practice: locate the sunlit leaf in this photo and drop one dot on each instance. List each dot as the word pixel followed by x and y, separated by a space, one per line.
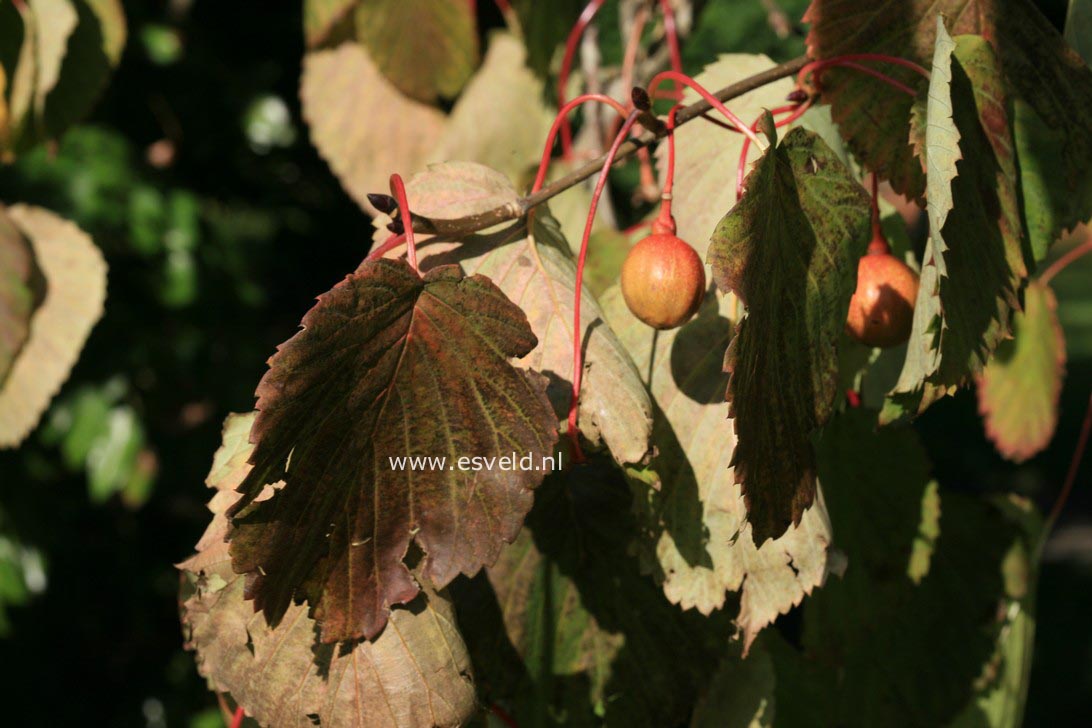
pixel 975 261
pixel 426 48
pixel 389 364
pixel 695 526
pixel 500 119
pixel 21 290
pixel 54 22
pixel 341 91
pixel 789 250
pixel 1019 389
pixel 75 288
pixel 417 673
pixel 321 16
pixel 567 631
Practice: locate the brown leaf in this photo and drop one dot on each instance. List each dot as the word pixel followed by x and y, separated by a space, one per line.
pixel 417 673
pixel 21 291
pixel 389 364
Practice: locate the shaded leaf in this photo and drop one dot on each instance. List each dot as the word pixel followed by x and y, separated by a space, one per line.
pixel 695 529
pixel 21 290
pixel 500 119
pixel 789 250
pixel 426 48
pixel 417 673
pixel 545 27
pixel 863 661
pixel 1078 28
pixel 1018 390
pixel 740 695
pixel 974 262
pixel 566 629
pixel 340 91
pixel 1035 62
pixel 388 364
pixel 538 273
pixel 706 156
pixel 75 287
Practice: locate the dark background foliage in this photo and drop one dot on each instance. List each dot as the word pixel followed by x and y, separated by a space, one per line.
pixel 220 224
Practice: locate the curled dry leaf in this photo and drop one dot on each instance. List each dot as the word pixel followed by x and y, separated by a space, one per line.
pixel 389 364
pixel 1018 390
pixel 538 273
pixel 74 287
pixel 696 526
pixel 417 673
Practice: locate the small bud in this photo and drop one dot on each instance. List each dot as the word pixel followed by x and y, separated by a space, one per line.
pixel 384 203
pixel 797 96
pixel 640 99
pixel 396 226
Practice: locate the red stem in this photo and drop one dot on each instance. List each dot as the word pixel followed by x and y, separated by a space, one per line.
pixel 388 245
pixel 559 123
pixel 398 191
pixel 704 93
pixel 850 61
pixel 672 33
pixel 1074 466
pixel 1059 265
pixel 571 44
pixel 503 6
pixel 578 365
pixel 504 716
pixel 665 223
pixel 237 719
pixel 797 111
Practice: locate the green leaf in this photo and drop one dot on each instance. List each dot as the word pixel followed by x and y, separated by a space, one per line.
pixel 789 250
pixel 706 157
pixel 1078 28
pixel 538 273
pixel 340 91
pixel 416 673
pixel 694 532
pixel 22 288
pixel 427 48
pixel 1045 199
pixel 545 27
pixel 389 364
pixel 1035 62
pixel 500 119
pixel 741 694
pixel 974 262
pixel 75 288
pixel 862 660
pixel 567 630
pixel 1019 389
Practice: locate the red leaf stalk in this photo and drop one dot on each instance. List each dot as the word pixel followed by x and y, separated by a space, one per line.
pixel 559 123
pixel 571 44
pixel 672 33
pixel 578 363
pixel 1074 467
pixel 237 718
pixel 398 191
pixel 851 61
pixel 797 111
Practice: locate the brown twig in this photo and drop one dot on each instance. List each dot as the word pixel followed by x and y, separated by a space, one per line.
pixel 520 207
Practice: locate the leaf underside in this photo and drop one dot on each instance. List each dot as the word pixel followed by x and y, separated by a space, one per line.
pixel 388 364
pixel 789 249
pixel 21 290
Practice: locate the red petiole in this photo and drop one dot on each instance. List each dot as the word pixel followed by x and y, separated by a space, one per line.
pixel 398 191
pixel 878 244
pixel 704 93
pixel 797 110
pixel 578 364
pixel 571 44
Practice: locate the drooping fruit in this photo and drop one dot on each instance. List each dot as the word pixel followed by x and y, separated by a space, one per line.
pixel 881 312
pixel 663 281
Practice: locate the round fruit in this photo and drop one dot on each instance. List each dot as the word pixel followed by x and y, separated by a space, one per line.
pixel 881 312
pixel 663 281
